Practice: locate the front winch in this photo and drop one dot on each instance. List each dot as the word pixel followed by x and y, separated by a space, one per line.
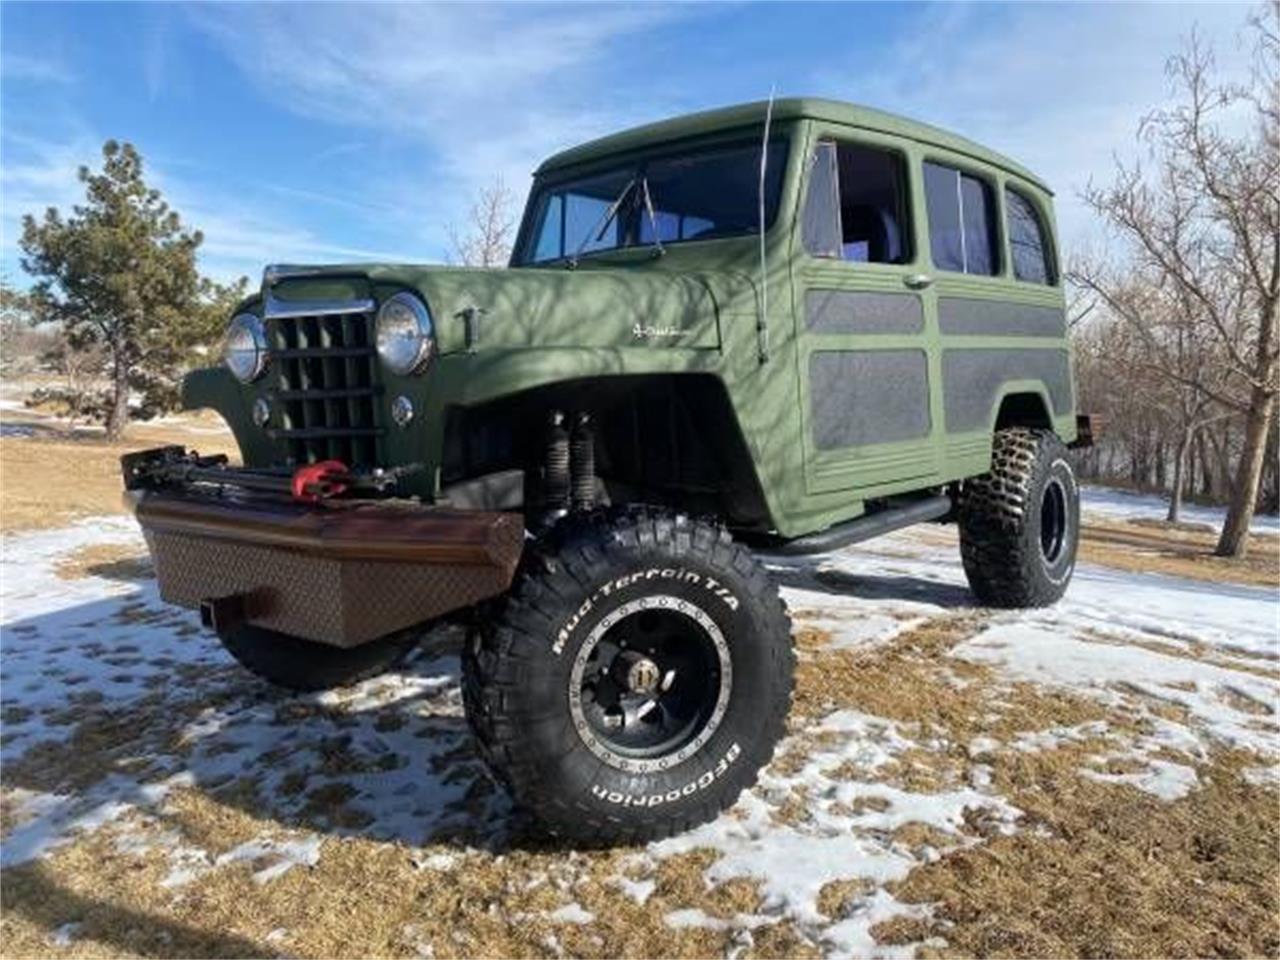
pixel 173 466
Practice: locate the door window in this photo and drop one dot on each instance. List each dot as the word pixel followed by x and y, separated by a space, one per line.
pixel 962 232
pixel 856 206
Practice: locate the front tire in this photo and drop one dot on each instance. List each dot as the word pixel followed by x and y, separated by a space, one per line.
pixel 306 666
pixel 1020 523
pixel 635 681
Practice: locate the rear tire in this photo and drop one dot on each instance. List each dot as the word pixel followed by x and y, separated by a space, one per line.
pixel 1020 523
pixel 635 680
pixel 306 666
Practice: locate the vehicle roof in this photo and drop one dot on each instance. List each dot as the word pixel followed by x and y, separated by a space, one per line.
pixel 788 108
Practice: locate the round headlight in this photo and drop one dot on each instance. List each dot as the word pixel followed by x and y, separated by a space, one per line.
pixel 245 348
pixel 406 336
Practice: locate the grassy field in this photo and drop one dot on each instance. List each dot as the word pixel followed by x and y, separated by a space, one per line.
pixel 1095 779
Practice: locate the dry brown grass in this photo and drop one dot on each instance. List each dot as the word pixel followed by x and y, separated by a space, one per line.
pixel 1107 870
pixel 59 475
pixel 363 898
pixel 1181 550
pixel 1095 869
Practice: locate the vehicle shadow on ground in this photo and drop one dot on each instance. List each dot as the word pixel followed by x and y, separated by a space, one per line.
pixel 843 583
pixel 114 708
pixel 121 702
pixel 43 901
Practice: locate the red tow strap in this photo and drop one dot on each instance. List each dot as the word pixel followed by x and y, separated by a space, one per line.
pixel 315 481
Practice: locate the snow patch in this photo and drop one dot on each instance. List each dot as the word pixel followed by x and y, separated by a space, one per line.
pixel 571 913
pixel 1128 505
pixel 840 839
pixel 1036 652
pixel 273 858
pixel 1168 781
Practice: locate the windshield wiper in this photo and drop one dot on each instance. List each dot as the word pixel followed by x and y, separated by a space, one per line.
pixel 659 249
pixel 603 225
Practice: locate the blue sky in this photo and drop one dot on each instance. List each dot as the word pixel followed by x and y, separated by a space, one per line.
pixel 320 132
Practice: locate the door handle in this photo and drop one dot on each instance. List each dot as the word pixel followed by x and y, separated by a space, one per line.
pixel 917 281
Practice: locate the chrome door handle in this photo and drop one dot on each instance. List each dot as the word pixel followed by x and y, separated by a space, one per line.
pixel 917 281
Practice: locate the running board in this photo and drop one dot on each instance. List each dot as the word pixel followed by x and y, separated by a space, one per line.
pixel 868 525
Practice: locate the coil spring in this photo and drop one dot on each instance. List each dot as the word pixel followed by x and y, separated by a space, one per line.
pixel 582 463
pixel 556 475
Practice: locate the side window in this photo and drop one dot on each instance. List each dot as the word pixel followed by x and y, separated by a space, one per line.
pixel 1028 240
pixel 856 206
pixel 820 226
pixel 962 231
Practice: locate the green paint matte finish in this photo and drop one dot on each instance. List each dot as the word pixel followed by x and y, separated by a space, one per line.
pixel 539 325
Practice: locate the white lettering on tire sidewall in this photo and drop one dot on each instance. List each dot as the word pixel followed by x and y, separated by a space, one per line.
pixel 675 794
pixel 658 580
pixel 656 577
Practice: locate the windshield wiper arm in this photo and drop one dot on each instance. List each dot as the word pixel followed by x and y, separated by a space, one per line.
pixel 598 231
pixel 659 249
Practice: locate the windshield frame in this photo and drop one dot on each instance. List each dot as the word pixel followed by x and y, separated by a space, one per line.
pixel 635 164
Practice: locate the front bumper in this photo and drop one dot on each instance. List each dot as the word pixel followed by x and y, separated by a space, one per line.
pixel 339 572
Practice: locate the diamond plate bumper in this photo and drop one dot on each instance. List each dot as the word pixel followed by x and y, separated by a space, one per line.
pixel 342 573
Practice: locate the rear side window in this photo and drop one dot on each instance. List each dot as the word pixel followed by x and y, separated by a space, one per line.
pixel 1028 240
pixel 962 228
pixel 856 208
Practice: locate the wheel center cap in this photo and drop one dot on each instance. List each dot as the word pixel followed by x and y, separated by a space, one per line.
pixel 643 676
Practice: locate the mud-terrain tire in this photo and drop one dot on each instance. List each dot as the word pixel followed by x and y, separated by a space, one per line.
pixel 560 685
pixel 306 666
pixel 1020 523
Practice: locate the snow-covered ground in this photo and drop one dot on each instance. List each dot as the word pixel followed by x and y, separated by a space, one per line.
pixel 99 664
pixel 1126 505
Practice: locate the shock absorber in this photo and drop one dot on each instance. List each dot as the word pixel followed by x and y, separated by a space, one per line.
pixel 582 461
pixel 555 477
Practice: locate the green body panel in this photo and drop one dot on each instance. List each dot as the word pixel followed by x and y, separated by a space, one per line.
pixel 697 310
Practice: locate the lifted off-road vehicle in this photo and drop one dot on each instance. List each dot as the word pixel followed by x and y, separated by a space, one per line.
pixel 791 326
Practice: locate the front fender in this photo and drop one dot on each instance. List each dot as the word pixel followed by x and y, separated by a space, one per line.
pixel 214 388
pixel 469 379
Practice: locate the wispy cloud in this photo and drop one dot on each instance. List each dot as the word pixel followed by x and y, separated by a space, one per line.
pixel 44 69
pixel 240 235
pixel 242 232
pixel 37 174
pixel 487 90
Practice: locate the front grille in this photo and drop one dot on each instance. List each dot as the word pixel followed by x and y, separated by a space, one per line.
pixel 326 388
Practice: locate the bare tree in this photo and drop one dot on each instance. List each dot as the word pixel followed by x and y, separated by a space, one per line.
pixel 486 240
pixel 1202 233
pixel 1155 355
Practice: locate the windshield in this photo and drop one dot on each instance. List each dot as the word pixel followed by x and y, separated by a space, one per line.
pixel 699 195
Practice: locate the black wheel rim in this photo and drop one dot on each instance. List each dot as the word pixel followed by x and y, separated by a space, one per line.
pixel 1053 521
pixel 650 684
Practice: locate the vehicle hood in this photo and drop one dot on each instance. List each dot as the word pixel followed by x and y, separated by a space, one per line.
pixel 586 307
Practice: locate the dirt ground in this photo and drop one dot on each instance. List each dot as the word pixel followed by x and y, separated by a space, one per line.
pixel 1096 779
pixel 52 473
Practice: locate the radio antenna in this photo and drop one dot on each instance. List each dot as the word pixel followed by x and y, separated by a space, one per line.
pixel 762 325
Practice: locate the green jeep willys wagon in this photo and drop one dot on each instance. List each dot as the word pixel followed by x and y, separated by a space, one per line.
pixel 790 326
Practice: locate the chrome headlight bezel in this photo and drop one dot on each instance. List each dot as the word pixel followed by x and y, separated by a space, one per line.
pixel 244 347
pixel 405 334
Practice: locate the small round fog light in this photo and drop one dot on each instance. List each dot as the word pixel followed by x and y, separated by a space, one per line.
pixel 261 411
pixel 402 410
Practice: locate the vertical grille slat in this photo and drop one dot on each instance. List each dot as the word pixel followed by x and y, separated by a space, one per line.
pixel 327 389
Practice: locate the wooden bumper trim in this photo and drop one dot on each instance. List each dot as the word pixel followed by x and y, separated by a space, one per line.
pixel 366 531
